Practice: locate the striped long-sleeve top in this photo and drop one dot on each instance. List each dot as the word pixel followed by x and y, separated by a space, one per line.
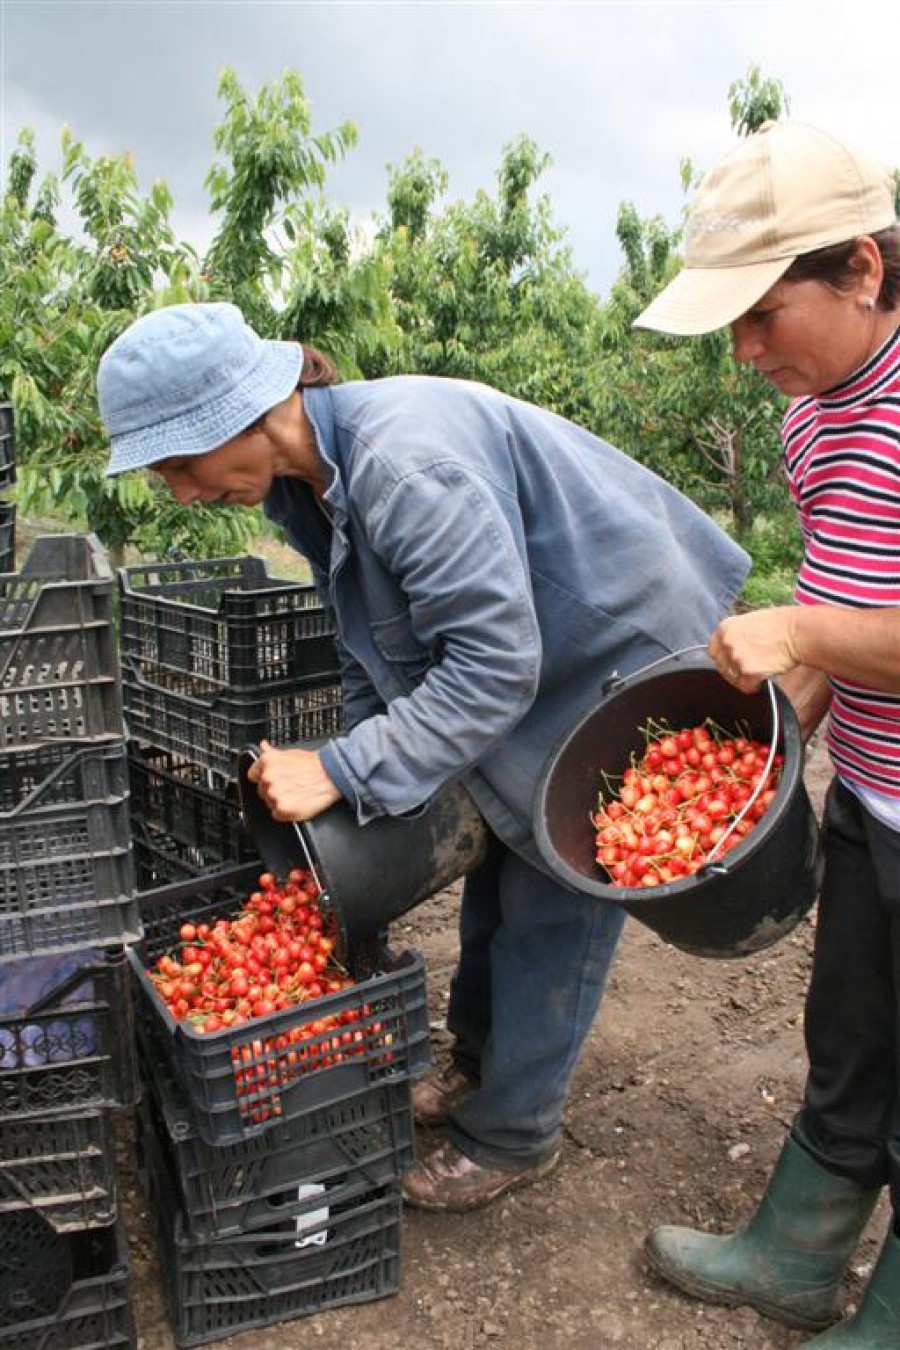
pixel 842 454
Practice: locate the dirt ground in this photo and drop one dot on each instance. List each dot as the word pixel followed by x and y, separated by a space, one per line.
pixel 686 1086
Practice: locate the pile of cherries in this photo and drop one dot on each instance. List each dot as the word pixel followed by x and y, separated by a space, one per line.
pixel 272 955
pixel 684 802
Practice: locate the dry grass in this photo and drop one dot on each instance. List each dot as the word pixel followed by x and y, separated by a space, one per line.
pixel 284 561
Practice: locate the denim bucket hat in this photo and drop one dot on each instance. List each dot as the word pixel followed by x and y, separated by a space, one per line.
pixel 183 380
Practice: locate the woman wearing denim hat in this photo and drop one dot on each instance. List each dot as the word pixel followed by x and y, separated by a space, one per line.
pixel 792 241
pixel 488 565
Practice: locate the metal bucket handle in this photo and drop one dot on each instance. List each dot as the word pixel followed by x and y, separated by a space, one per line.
pixel 709 865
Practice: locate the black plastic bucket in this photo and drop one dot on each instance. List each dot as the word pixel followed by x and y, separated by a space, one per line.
pixel 745 901
pixel 370 874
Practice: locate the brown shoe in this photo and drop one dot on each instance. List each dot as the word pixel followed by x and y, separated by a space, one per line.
pixel 448 1180
pixel 435 1096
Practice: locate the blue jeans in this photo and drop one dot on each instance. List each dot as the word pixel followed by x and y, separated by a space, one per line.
pixel 534 958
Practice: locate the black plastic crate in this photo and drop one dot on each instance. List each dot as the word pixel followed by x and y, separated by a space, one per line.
pixel 225 622
pixel 242 1080
pixel 189 805
pixel 63 1291
pixel 7 446
pixel 63 1168
pixel 35 1268
pixel 342 1247
pixel 59 664
pixel 7 537
pixel 174 715
pixel 67 876
pixel 38 782
pixel 73 1048
pixel 366 1142
pixel 160 860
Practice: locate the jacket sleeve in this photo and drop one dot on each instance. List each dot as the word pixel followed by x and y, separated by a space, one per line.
pixel 453 549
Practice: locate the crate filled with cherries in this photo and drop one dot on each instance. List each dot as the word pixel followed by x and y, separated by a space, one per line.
pixel 244 996
pixel 270 954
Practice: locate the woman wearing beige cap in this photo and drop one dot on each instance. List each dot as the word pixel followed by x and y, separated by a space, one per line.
pixel 793 242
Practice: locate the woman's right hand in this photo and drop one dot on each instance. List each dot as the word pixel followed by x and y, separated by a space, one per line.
pixel 750 648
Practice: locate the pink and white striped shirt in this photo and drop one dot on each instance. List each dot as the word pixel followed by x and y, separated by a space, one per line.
pixel 842 455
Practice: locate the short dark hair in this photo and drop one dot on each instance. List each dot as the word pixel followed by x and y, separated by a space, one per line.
pixel 837 265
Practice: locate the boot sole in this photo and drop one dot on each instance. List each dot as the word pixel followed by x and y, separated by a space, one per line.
pixel 713 1294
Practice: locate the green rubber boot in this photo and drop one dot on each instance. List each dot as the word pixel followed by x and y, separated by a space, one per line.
pixel 789 1260
pixel 877 1324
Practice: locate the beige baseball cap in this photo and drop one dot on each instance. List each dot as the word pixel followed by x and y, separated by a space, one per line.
pixel 788 189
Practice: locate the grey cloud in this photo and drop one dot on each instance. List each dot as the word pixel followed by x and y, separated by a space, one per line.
pixel 616 93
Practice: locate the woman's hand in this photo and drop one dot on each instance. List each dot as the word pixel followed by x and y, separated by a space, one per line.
pixel 860 645
pixel 292 783
pixel 750 648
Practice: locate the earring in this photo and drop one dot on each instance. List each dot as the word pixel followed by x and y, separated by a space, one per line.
pixel 868 302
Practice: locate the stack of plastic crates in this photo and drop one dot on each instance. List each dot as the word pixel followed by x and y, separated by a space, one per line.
pixel 216 655
pixel 272 1152
pixel 68 909
pixel 7 478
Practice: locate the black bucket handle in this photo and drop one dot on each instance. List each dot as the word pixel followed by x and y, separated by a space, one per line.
pixel 615 681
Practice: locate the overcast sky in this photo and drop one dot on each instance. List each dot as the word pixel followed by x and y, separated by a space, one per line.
pixel 617 94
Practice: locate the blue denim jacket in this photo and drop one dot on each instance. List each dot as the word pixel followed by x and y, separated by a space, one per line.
pixel 489 565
